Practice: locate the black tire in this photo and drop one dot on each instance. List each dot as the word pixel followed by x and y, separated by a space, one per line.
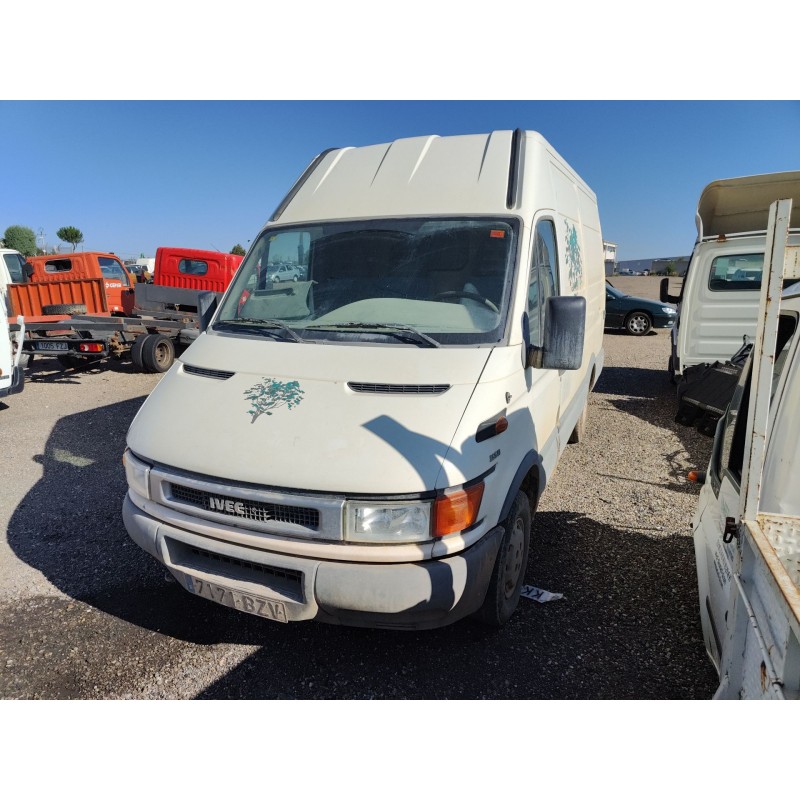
pixel 136 351
pixel 579 433
pixel 638 323
pixel 158 353
pixel 508 575
pixel 64 308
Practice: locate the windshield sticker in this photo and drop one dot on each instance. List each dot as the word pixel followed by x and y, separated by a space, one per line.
pixel 270 394
pixel 574 258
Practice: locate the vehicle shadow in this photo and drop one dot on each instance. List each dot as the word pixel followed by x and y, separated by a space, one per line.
pixel 627 627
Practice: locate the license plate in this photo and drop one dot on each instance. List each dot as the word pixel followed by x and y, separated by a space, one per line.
pixel 51 345
pixel 241 601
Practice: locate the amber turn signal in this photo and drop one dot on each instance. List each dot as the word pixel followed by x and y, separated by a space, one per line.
pixel 456 511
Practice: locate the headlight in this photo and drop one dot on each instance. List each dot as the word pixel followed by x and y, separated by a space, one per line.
pixel 137 474
pixel 388 522
pixel 666 310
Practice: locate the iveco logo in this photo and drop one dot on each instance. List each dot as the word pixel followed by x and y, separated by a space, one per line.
pixel 227 506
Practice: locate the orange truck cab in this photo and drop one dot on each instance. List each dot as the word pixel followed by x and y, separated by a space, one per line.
pixel 117 281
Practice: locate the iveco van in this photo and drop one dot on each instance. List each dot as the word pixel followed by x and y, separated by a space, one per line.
pixel 367 445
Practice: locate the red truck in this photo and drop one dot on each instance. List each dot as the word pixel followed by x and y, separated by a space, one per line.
pixel 149 321
pixel 67 277
pixel 180 274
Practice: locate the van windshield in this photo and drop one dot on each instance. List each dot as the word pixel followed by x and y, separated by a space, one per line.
pixel 446 279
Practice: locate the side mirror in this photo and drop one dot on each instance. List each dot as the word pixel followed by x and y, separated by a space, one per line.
pixel 664 294
pixel 27 268
pixel 564 328
pixel 206 306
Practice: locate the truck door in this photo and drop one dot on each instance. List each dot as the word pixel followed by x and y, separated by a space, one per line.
pixel 545 388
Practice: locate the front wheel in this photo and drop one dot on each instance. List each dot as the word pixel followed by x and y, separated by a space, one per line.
pixel 508 574
pixel 638 323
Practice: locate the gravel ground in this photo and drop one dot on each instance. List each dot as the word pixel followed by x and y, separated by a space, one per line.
pixel 84 613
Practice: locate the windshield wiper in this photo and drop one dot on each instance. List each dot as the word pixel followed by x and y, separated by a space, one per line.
pixel 259 325
pixel 379 327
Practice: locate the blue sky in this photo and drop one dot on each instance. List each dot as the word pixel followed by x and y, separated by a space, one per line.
pixel 136 175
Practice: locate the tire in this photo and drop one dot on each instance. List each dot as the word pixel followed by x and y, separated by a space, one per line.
pixel 579 433
pixel 136 351
pixel 64 308
pixel 638 323
pixel 508 574
pixel 158 353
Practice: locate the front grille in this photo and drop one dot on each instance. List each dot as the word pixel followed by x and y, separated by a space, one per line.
pixel 290 575
pixel 218 374
pixel 253 510
pixel 399 388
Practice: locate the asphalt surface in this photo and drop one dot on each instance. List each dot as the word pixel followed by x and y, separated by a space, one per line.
pixel 84 613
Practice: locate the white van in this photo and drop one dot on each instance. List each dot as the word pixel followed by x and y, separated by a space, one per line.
pixel 747 524
pixel 718 301
pixel 367 446
pixel 12 378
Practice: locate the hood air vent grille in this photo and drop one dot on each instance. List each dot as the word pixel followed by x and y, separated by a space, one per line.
pixel 399 388
pixel 217 374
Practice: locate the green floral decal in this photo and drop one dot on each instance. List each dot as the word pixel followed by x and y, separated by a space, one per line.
pixel 574 258
pixel 268 395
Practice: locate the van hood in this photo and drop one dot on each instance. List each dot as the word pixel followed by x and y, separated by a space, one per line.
pixel 323 417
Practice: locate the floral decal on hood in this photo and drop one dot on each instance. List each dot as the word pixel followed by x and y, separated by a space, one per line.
pixel 270 394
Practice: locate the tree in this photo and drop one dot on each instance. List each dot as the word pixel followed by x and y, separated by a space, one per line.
pixel 18 237
pixel 237 250
pixel 70 235
pixel 670 269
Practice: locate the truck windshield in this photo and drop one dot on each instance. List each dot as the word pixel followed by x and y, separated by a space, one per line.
pixel 436 281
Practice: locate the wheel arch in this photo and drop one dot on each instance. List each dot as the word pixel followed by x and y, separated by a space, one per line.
pixel 530 479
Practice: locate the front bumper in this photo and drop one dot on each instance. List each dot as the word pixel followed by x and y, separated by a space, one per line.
pixel 425 594
pixel 17 383
pixel 663 321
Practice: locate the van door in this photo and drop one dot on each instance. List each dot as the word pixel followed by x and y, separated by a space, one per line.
pixel 545 388
pixel 117 283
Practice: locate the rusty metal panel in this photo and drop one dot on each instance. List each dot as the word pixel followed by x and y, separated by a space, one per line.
pixel 29 299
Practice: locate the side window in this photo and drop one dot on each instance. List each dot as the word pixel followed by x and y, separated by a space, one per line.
pixel 58 265
pixel 189 266
pixel 543 283
pixel 111 269
pixel 739 273
pixel 14 264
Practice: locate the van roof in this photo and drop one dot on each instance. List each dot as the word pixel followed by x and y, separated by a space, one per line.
pixel 741 205
pixel 484 173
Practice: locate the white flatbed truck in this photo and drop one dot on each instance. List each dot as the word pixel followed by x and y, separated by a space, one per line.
pixel 747 525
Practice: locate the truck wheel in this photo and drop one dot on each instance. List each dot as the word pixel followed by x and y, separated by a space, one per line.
pixel 136 351
pixel 579 434
pixel 158 353
pixel 64 308
pixel 508 574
